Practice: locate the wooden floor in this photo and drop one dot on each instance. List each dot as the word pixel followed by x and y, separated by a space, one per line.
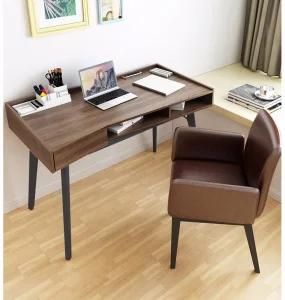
pixel 121 241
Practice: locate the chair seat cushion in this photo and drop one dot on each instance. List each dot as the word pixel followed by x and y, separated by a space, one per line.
pixel 211 191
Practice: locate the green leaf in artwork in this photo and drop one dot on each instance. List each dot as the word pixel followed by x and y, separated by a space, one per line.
pixel 59 8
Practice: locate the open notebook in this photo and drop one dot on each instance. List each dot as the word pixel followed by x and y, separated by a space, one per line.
pixel 160 85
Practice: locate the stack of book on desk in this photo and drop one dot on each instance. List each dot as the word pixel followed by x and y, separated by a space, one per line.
pixel 245 96
pixel 124 125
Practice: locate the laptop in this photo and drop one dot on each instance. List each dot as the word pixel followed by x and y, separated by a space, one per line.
pixel 100 87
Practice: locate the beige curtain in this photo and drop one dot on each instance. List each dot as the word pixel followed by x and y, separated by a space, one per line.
pixel 262 37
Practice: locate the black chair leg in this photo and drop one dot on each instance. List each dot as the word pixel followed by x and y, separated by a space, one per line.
pixel 174 241
pixel 252 248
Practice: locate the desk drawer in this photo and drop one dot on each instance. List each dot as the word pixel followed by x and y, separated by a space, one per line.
pixel 81 148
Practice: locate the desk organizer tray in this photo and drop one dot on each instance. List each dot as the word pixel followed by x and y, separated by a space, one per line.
pixel 57 96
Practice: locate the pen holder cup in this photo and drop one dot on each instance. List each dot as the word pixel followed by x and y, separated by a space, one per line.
pixel 48 100
pixel 42 100
pixel 57 89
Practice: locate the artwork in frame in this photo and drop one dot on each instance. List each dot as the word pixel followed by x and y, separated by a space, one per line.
pixel 110 11
pixel 48 16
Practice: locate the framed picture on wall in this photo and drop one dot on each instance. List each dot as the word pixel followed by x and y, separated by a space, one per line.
pixel 110 11
pixel 49 16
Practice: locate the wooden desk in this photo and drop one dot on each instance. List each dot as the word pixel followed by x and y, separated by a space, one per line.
pixel 62 135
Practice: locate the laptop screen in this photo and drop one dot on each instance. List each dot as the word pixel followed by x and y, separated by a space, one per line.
pixel 98 80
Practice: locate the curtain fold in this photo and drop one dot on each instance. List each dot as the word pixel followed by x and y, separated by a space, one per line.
pixel 262 37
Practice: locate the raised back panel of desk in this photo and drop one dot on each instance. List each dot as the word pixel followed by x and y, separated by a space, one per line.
pixel 68 132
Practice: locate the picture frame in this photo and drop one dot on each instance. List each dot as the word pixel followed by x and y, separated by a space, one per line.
pixel 51 16
pixel 110 11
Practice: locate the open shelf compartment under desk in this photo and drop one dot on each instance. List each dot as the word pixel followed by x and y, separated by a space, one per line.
pixel 191 106
pixel 160 117
pixel 149 121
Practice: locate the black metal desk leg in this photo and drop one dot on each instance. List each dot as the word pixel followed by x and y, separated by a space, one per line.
pixel 191 120
pixel 154 139
pixel 33 169
pixel 65 188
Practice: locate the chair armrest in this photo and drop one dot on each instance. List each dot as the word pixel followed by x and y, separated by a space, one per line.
pixel 195 143
pixel 214 202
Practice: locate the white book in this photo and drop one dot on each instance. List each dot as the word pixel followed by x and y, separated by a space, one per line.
pixel 160 85
pixel 243 102
pixel 249 106
pixel 271 109
pixel 121 127
pixel 259 103
pixel 256 104
pixel 179 106
pixel 246 93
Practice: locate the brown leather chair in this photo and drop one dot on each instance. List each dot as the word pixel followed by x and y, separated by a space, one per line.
pixel 218 178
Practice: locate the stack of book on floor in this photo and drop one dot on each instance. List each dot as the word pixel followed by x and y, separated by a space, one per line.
pixel 245 96
pixel 124 125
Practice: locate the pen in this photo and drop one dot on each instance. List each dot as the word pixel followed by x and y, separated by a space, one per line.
pixel 37 90
pixel 42 89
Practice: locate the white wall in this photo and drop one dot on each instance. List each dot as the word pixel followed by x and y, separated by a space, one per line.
pixel 190 36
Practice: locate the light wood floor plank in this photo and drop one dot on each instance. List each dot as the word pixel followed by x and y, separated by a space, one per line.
pixel 121 244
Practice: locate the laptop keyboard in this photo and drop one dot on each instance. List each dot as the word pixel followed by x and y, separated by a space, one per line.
pixel 112 99
pixel 107 97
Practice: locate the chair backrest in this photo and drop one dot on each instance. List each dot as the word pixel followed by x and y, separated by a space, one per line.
pixel 261 154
